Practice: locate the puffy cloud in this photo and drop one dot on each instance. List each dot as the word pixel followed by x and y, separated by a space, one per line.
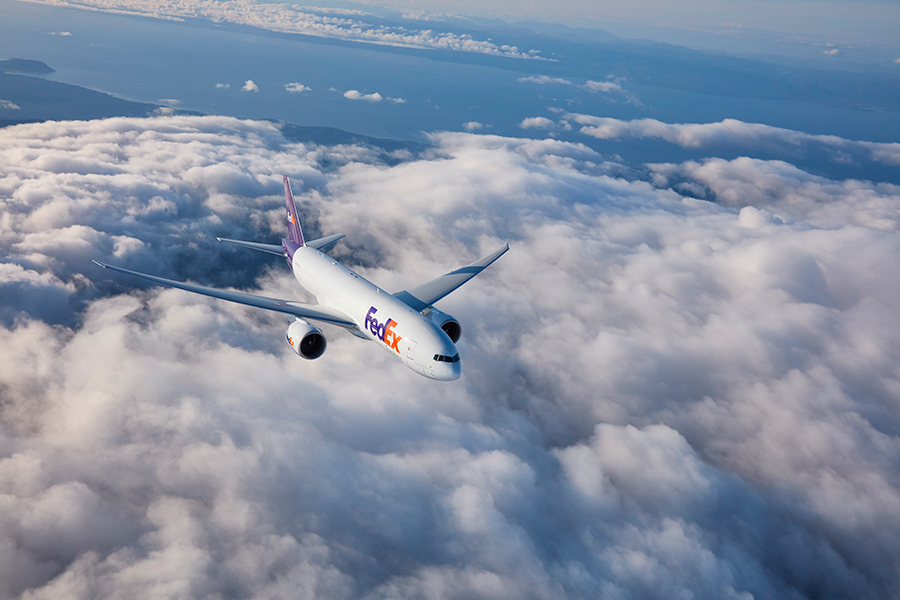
pixel 357 95
pixel 249 86
pixel 305 20
pixel 223 86
pixel 537 123
pixel 6 104
pixel 782 189
pixel 296 88
pixel 660 394
pixel 474 126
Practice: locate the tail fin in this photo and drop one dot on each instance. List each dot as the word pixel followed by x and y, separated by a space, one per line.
pixel 295 234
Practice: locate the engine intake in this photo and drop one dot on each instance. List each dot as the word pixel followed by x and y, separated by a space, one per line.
pixel 450 325
pixel 306 339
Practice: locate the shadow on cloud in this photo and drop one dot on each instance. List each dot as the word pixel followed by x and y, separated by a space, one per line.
pixel 661 395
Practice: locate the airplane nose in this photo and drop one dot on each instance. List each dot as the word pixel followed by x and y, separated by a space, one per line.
pixel 448 371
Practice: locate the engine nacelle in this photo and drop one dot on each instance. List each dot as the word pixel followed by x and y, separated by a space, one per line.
pixel 306 339
pixel 450 325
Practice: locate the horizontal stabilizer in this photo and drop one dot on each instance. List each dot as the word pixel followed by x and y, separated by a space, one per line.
pixel 427 294
pixel 271 248
pixel 324 244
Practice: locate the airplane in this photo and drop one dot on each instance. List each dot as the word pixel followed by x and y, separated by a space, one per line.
pixel 405 324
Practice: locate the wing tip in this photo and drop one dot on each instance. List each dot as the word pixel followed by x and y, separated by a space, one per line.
pixel 99 264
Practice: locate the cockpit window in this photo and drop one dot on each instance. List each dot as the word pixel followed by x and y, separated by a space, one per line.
pixel 449 359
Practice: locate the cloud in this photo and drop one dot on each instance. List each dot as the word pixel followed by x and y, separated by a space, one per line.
pixel 474 126
pixel 832 52
pixel 223 86
pixel 316 21
pixel 7 105
pixel 249 86
pixel 731 133
pixel 357 95
pixel 296 88
pixel 782 189
pixel 544 80
pixel 591 86
pixel 661 395
pixel 61 33
pixel 537 123
pixel 603 86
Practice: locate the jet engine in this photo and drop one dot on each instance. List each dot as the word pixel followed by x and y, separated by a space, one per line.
pixel 450 325
pixel 307 340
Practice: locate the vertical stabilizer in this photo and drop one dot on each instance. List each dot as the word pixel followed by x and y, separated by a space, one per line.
pixel 295 234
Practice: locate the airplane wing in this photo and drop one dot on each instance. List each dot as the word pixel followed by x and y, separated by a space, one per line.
pixel 322 244
pixel 299 309
pixel 425 295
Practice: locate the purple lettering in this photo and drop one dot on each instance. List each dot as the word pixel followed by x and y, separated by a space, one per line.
pixel 383 331
pixel 371 324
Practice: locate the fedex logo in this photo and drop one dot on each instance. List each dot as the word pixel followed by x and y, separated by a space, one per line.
pixel 383 331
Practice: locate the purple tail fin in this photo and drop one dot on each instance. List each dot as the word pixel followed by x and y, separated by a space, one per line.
pixel 294 232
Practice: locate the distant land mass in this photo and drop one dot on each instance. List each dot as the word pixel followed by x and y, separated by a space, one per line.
pixel 24 65
pixel 37 99
pixel 25 99
pixel 331 136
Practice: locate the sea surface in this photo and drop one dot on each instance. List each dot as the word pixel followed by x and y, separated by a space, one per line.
pixel 181 63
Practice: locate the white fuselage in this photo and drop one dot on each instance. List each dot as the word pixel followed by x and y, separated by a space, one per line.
pixel 393 325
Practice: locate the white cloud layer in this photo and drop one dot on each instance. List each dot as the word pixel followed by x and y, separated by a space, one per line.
pixel 293 18
pixel 249 86
pixel 732 133
pixel 661 396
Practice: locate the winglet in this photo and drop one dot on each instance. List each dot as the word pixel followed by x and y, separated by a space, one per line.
pixel 295 234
